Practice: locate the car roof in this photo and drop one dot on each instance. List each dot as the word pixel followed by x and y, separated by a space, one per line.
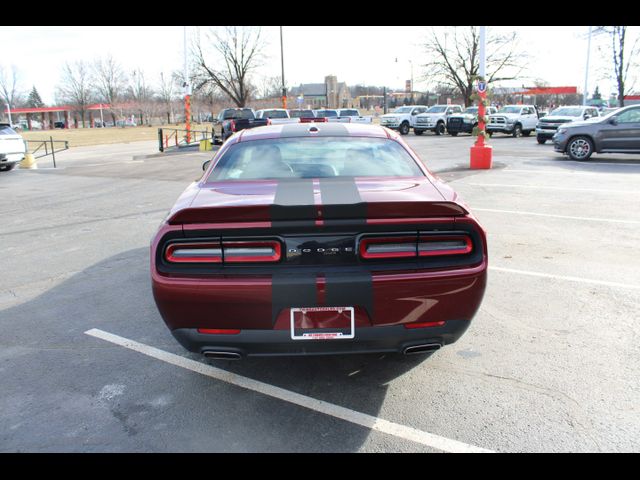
pixel 313 130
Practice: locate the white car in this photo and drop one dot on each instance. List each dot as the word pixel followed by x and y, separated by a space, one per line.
pixel 352 115
pixel 402 118
pixel 276 116
pixel 12 147
pixel 435 119
pixel 513 120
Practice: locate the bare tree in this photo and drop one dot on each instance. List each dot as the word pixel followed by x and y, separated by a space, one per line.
pixel 454 58
pixel 141 94
pixel 75 87
pixel 9 86
pixel 624 56
pixel 110 81
pixel 238 52
pixel 167 94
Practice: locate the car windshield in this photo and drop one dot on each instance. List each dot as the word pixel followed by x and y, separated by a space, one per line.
pixel 436 109
pixel 245 114
pixel 274 114
pixel 567 112
pixel 301 113
pixel 403 110
pixel 318 157
pixel 7 130
pixel 472 110
pixel 509 110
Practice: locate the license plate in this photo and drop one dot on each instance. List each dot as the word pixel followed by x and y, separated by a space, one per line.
pixel 345 314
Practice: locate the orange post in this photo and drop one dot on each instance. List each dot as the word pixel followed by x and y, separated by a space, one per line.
pixel 481 153
pixel 187 113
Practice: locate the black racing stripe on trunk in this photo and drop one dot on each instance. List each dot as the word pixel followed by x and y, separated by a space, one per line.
pixel 328 129
pixel 294 201
pixel 341 199
pixel 292 291
pixel 349 290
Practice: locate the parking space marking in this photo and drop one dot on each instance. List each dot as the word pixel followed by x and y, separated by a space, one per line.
pixel 352 416
pixel 567 172
pixel 550 215
pixel 550 187
pixel 567 277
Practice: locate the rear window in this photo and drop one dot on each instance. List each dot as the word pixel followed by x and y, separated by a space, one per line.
pixel 7 130
pixel 274 114
pixel 301 113
pixel 244 114
pixel 318 157
pixel 327 113
pixel 349 113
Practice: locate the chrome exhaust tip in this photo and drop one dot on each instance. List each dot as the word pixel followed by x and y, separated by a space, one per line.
pixel 425 348
pixel 222 355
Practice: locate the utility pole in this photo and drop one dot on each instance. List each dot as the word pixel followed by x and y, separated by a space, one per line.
pixel 586 70
pixel 9 114
pixel 284 89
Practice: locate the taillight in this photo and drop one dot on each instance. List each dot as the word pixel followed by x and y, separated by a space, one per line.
pixel 252 251
pixel 233 126
pixel 268 121
pixel 219 331
pixel 411 246
pixel 225 252
pixel 194 253
pixel 388 247
pixel 444 245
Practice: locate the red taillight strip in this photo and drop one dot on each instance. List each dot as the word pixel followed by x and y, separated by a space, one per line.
pixel 194 253
pixel 391 242
pixel 251 251
pixel 424 324
pixel 219 331
pixel 444 245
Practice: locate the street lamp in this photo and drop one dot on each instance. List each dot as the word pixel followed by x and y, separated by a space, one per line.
pixel 284 89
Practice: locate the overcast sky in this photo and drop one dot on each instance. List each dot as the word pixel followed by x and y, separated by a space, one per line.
pixel 357 55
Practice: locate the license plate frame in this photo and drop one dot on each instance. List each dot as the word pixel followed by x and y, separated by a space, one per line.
pixel 323 335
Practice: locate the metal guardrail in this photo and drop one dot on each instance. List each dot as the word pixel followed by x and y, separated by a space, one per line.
pixel 171 138
pixel 49 148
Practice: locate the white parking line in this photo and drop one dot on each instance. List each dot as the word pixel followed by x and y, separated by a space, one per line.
pixel 550 215
pixel 358 418
pixel 549 187
pixel 566 277
pixel 564 172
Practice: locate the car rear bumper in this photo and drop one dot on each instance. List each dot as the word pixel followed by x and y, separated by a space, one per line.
pixel 262 343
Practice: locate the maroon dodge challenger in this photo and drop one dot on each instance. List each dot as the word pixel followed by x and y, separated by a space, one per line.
pixel 310 239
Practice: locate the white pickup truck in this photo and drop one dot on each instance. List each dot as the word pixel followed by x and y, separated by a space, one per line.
pixel 276 116
pixel 513 120
pixel 352 115
pixel 435 119
pixel 403 118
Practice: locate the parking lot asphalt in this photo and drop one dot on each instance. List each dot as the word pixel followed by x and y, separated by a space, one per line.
pixel 550 363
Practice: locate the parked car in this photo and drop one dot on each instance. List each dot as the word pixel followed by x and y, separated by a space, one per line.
pixel 516 120
pixel 435 119
pixel 403 119
pixel 352 115
pixel 617 132
pixel 58 125
pixel 12 147
pixel 276 116
pixel 232 120
pixel 547 126
pixel 318 239
pixel 465 121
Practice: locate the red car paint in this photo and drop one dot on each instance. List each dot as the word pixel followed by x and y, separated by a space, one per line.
pixel 235 299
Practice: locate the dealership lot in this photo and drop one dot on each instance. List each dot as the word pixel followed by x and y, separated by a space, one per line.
pixel 550 363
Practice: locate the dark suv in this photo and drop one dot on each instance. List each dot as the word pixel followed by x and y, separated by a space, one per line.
pixel 617 132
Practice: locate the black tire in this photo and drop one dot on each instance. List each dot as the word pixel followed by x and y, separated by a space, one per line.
pixel 453 134
pixel 490 134
pixel 517 130
pixel 526 133
pixel 579 148
pixel 418 132
pixel 8 166
pixel 541 141
pixel 404 128
pixel 439 128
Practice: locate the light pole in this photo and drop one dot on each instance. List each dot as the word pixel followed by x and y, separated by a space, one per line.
pixel 284 89
pixel 9 114
pixel 187 91
pixel 480 152
pixel 586 70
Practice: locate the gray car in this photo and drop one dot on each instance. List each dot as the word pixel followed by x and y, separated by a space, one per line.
pixel 617 132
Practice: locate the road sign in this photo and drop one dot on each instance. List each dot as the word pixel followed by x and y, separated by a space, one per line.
pixel 482 87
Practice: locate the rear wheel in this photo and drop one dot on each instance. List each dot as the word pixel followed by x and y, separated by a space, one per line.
pixel 439 128
pixel 580 148
pixel 526 133
pixel 453 134
pixel 541 140
pixel 418 132
pixel 404 128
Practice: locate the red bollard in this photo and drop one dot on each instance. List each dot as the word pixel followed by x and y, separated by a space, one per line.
pixel 481 153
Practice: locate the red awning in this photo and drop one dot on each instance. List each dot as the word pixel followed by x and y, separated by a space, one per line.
pixel 548 91
pixel 64 108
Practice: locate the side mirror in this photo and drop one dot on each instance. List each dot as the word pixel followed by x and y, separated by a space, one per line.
pixel 613 121
pixel 587 116
pixel 205 165
pixel 415 112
